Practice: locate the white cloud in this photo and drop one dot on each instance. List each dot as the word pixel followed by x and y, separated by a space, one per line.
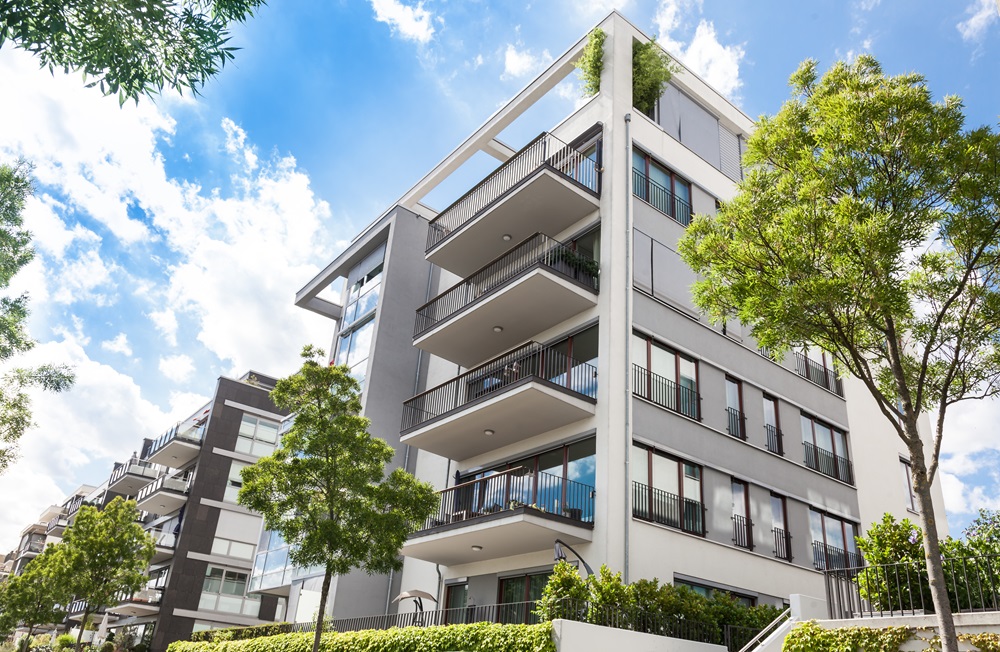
pixel 48 231
pixel 178 368
pixel 521 63
pixel 165 322
pixel 717 64
pixel 962 498
pixel 982 14
pixel 412 23
pixel 591 9
pixel 79 280
pixel 118 344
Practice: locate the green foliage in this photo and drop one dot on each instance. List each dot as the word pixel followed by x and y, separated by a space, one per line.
pixel 564 585
pixel 810 637
pixel 478 637
pixel 983 533
pixel 651 70
pixel 106 552
pixel 15 253
pixel 128 49
pixel 591 62
pixel 241 633
pixel 324 489
pixel 34 597
pixel 65 641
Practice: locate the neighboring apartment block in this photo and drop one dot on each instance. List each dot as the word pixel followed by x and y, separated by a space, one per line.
pixel 533 351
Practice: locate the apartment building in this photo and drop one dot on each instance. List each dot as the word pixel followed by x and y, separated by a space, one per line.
pixel 47 529
pixel 533 350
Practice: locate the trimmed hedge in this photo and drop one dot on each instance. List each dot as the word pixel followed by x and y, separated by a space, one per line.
pixel 810 637
pixel 241 633
pixel 477 637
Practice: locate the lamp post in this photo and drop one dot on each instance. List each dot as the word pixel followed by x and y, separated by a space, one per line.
pixel 561 556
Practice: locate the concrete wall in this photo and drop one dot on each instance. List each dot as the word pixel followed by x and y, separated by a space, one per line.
pixel 571 636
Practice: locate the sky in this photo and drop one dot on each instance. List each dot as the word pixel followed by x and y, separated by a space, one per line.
pixel 172 235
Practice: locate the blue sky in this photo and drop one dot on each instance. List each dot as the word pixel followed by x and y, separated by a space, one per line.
pixel 173 235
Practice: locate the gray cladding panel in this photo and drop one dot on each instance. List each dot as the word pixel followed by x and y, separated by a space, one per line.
pixel 699 130
pixel 729 149
pixel 670 111
pixel 642 258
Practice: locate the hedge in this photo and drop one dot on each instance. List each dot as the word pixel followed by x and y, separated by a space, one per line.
pixel 241 633
pixel 477 637
pixel 810 637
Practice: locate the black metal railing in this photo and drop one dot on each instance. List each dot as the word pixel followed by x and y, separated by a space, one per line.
pixel 742 531
pixel 544 151
pixel 660 198
pixel 658 506
pixel 74 506
pixel 774 442
pixel 972 583
pixel 538 249
pixel 139 468
pixel 146 595
pixel 59 522
pixel 824 461
pixel 737 423
pixel 665 392
pixel 191 435
pixel 818 374
pixel 514 489
pixel 531 360
pixel 782 544
pixel 828 557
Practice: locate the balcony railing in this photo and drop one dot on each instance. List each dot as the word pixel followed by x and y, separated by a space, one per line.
pixel 32 547
pixel 774 443
pixel 537 250
pixel 827 463
pixel 782 544
pixel 59 522
pixel 660 198
pixel 544 151
pixel 165 482
pixel 532 361
pixel 665 392
pixel 737 423
pixel 163 538
pixel 148 595
pixel 74 506
pixel 658 506
pixel 513 489
pixel 818 374
pixel 742 532
pixel 142 468
pixel 192 435
pixel 828 557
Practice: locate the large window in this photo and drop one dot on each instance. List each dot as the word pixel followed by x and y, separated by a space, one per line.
pixel 779 526
pixel 353 347
pixel 665 377
pixel 517 597
pixel 257 436
pixel 234 481
pixel 666 490
pixel 771 428
pixel 225 590
pixel 834 541
pixel 660 187
pixel 825 449
pixel 909 497
pixel 742 525
pixel 736 425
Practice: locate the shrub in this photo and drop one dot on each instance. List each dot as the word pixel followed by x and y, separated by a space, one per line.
pixel 65 641
pixel 651 70
pixel 242 633
pixel 810 637
pixel 478 637
pixel 591 63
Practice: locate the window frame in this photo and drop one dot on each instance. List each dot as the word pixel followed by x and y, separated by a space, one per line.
pixel 675 179
pixel 647 366
pixel 740 413
pixel 777 424
pixel 911 495
pixel 834 431
pixel 745 489
pixel 681 475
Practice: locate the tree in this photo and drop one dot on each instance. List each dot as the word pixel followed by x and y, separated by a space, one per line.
pixel 15 253
pixel 867 225
pixel 107 553
pixel 324 488
pixel 128 48
pixel 38 596
pixel 651 70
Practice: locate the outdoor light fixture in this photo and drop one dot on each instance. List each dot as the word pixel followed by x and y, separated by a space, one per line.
pixel 477 548
pixel 506 237
pixel 561 556
pixel 488 432
pixel 498 329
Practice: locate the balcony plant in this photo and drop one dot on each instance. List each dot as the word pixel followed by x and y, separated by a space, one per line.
pixel 652 69
pixel 591 63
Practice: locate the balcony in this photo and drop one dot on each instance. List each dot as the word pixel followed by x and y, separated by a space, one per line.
pixel 665 392
pixel 57 526
pixel 742 532
pixel 74 612
pixel 128 478
pixel 164 496
pixel 523 393
pixel 534 286
pixel 658 506
pixel 548 186
pixel 774 439
pixel 32 548
pixel 660 198
pixel 176 447
pixel 827 463
pixel 818 374
pixel 782 544
pixel 165 541
pixel 145 602
pixel 509 513
pixel 736 425
pixel 830 558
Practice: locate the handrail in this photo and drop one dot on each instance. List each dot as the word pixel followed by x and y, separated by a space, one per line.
pixel 472 482
pixel 764 633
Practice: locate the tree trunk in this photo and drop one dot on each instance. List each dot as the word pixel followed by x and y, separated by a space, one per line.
pixel 322 609
pixel 932 551
pixel 83 626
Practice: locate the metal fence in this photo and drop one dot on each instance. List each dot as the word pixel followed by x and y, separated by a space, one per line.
pixel 665 392
pixel 665 508
pixel 737 423
pixel 782 544
pixel 532 360
pixel 660 198
pixel 818 374
pixel 538 249
pixel 774 443
pixel 742 532
pixel 544 151
pixel 835 466
pixel 826 557
pixel 972 583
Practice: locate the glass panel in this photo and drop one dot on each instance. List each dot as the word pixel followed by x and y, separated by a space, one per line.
pixel 267 431
pixel 640 464
pixel 581 465
pixel 261 449
pixel 512 589
pixel 243 445
pixel 535 585
pixel 665 474
pixel 549 487
pixel 251 607
pixel 732 394
pixel 816 525
pixel 589 244
pixel 739 499
pixel 343 347
pixel 258 564
pixel 213 580
pixel 777 512
pixel 824 437
pixel 639 160
pixel 692 482
pixel 852 533
pixel 663 362
pixel 585 346
pixel 361 341
pixel 659 176
pixel 276 559
pixel 229 604
pixel 207 602
pixel 368 300
pixel 234 471
pixel 231 494
pixel 639 353
pixel 840 439
pixel 770 413
pixel 456 596
pixel 834 533
pixel 248 425
pixel 807 429
pixel 241 550
pixel 220 547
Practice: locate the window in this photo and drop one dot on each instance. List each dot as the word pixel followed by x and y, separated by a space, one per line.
pixel 771 429
pixel 257 436
pixel 353 347
pixel 708 591
pixel 455 598
pixel 834 542
pixel 779 526
pixel 665 377
pixel 910 497
pixel 826 449
pixel 734 408
pixel 225 590
pixel 660 187
pixel 666 490
pixel 742 525
pixel 231 548
pixel 517 598
pixel 234 482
